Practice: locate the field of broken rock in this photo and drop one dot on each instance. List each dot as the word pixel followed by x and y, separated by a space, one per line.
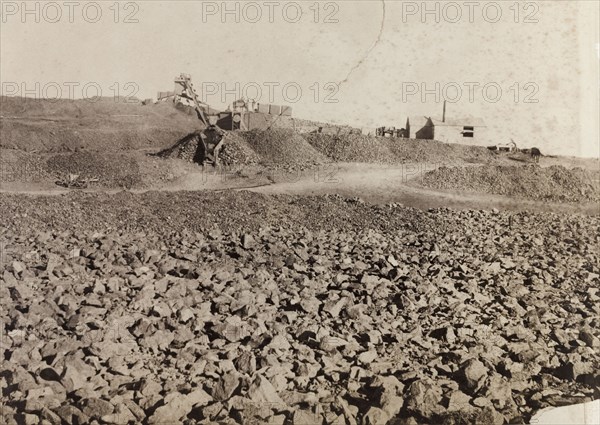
pixel 246 308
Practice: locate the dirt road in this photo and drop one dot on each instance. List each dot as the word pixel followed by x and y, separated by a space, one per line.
pixel 400 184
pixel 379 184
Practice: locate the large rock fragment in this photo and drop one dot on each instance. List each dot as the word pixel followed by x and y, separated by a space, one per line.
pixel 177 406
pixel 423 398
pixel 226 386
pixel 472 373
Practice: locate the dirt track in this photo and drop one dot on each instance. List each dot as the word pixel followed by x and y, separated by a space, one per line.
pixel 400 184
pixel 374 183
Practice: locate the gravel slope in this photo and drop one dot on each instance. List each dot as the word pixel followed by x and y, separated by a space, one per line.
pixel 554 183
pixel 103 125
pixel 283 148
pixel 362 148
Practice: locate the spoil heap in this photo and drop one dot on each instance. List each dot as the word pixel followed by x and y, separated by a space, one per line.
pixel 555 183
pixel 363 148
pixel 236 150
pixel 17 165
pixel 101 125
pixel 283 148
pixel 351 147
pixel 412 150
pixel 274 148
pixel 188 149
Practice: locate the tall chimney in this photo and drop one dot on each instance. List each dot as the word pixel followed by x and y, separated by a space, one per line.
pixel 444 113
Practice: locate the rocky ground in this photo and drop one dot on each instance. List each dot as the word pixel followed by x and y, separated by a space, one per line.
pixel 110 169
pixel 237 307
pixel 235 150
pixel 244 308
pixel 381 150
pixel 104 125
pixel 283 148
pixel 554 183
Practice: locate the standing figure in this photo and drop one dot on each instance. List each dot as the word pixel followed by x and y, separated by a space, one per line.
pixel 212 138
pixel 535 154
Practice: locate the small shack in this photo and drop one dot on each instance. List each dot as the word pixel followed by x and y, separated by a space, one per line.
pixel 472 131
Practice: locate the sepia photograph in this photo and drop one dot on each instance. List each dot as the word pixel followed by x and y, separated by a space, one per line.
pixel 312 212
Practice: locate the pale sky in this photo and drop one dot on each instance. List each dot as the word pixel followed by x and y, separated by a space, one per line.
pixel 379 55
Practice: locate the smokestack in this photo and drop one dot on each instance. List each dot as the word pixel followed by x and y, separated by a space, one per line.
pixel 444 113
